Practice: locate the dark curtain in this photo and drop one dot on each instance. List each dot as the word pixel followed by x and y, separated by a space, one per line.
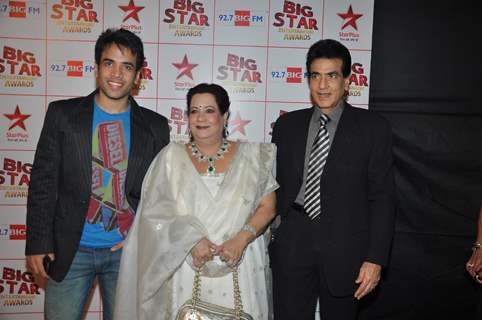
pixel 426 79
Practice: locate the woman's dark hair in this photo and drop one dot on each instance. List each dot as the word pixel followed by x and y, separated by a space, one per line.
pixel 123 39
pixel 219 93
pixel 330 49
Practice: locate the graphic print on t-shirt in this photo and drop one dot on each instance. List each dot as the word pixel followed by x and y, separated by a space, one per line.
pixel 109 169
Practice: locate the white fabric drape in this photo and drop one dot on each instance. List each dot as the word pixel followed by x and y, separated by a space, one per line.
pixel 176 210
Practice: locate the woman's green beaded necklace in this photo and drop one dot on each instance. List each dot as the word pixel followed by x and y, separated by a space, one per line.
pixel 196 153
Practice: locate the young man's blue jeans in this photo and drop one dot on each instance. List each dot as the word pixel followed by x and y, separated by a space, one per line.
pixel 66 299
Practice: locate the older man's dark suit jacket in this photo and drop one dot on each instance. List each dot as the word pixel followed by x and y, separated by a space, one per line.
pixel 357 199
pixel 60 184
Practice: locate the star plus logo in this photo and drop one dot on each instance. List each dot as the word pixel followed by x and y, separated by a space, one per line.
pixel 17 119
pixel 185 68
pixel 132 11
pixel 239 124
pixel 349 18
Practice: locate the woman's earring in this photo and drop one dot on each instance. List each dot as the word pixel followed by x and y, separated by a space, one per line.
pixel 226 132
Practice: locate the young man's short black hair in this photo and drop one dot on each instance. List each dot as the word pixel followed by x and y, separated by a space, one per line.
pixel 123 39
pixel 330 49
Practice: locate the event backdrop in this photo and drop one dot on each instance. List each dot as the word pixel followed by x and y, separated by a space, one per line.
pixel 254 48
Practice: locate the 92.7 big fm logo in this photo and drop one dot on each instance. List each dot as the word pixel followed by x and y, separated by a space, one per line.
pixel 18 9
pixel 240 18
pixel 289 75
pixel 12 232
pixel 72 68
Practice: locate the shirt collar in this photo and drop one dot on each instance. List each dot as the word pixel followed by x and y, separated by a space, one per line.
pixel 334 115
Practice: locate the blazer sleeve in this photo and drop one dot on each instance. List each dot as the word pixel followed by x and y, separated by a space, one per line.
pixel 43 186
pixel 381 193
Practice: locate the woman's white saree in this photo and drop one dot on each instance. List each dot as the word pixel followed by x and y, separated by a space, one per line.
pixel 176 210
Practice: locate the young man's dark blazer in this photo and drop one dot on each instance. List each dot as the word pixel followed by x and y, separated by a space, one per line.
pixel 357 191
pixel 60 184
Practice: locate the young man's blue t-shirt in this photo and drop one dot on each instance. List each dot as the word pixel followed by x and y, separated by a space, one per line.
pixel 109 216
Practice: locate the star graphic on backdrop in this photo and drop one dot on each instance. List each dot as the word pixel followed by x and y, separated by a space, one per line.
pixel 133 11
pixel 17 119
pixel 240 123
pixel 349 18
pixel 185 67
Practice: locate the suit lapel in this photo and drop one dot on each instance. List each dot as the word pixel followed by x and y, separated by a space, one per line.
pixel 139 144
pixel 342 140
pixel 82 123
pixel 300 136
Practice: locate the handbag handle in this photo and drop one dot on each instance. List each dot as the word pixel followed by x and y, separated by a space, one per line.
pixel 196 292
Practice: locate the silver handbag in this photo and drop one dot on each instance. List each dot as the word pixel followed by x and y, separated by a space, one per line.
pixel 195 309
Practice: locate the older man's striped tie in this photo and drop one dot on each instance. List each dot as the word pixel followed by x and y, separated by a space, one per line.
pixel 318 155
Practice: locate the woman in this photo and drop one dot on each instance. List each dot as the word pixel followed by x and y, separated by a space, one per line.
pixel 204 205
pixel 474 265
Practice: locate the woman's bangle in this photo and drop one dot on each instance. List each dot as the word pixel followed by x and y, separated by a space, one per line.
pixel 476 246
pixel 249 228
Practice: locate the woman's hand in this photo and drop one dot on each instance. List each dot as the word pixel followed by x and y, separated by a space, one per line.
pixel 233 249
pixel 474 265
pixel 203 252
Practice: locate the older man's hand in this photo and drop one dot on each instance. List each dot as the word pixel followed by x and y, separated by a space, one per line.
pixel 368 279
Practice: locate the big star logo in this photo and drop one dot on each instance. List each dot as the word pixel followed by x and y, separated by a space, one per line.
pixel 349 18
pixel 238 124
pixel 14 181
pixel 17 119
pixel 77 16
pixel 358 80
pixel 18 287
pixel 239 68
pixel 186 12
pixel 178 124
pixel 296 16
pixel 132 11
pixel 146 77
pixel 16 61
pixel 185 68
pixel 186 18
pixel 14 172
pixel 240 73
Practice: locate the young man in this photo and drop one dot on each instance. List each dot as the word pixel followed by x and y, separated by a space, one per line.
pixel 336 196
pixel 86 180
